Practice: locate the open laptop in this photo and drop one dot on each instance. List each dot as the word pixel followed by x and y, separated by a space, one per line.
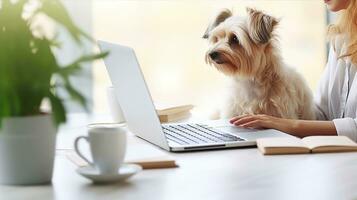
pixel 141 117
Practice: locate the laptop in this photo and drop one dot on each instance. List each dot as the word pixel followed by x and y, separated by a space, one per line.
pixel 142 119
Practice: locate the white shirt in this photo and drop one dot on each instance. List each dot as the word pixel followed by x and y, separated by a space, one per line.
pixel 336 97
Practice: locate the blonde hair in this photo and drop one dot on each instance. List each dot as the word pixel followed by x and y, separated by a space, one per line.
pixel 347 24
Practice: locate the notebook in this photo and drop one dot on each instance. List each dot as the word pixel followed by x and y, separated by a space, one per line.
pixel 175 117
pixel 311 144
pixel 167 109
pixel 172 113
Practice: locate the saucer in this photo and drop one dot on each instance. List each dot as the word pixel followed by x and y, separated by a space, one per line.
pixel 125 171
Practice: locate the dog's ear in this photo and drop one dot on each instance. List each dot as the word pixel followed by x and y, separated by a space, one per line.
pixel 219 18
pixel 260 26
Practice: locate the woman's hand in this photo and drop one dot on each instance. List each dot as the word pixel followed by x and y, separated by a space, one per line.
pixel 299 128
pixel 263 121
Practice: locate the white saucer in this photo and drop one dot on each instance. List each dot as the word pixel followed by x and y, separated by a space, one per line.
pixel 125 171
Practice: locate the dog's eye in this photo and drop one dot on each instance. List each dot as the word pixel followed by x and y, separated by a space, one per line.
pixel 234 40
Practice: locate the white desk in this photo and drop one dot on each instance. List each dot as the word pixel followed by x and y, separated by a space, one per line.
pixel 219 174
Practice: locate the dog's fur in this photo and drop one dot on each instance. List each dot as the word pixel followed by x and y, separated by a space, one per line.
pixel 245 49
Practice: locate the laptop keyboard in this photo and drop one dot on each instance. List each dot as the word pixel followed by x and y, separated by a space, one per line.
pixel 186 134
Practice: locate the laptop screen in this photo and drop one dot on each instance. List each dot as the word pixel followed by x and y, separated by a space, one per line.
pixel 132 93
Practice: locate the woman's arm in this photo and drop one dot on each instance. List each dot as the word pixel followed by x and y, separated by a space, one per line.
pixel 299 128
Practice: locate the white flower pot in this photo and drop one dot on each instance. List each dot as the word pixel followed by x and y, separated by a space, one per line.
pixel 27 150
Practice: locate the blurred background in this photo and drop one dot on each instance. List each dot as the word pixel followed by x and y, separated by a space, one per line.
pixel 167 38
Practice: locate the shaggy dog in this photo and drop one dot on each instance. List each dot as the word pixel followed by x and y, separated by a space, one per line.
pixel 245 49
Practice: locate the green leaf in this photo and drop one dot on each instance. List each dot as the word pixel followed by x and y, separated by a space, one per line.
pixel 75 67
pixel 75 95
pixel 58 110
pixel 70 70
pixel 88 58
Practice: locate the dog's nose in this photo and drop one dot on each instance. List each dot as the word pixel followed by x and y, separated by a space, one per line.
pixel 214 55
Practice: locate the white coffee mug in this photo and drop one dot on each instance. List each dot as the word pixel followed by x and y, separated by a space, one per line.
pixel 107 146
pixel 114 107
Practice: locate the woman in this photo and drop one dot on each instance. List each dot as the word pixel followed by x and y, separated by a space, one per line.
pixel 336 98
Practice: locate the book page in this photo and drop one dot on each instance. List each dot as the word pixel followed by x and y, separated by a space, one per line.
pixel 314 142
pixel 281 145
pixel 281 142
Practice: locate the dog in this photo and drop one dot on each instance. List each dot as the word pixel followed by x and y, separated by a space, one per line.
pixel 245 50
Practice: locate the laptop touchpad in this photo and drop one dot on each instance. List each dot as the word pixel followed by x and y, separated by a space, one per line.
pixel 252 134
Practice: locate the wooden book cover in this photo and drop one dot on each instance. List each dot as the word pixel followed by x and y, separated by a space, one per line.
pixel 311 144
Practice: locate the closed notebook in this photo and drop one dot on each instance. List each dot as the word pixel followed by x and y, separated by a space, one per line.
pixel 174 117
pixel 172 112
pixel 145 155
pixel 145 163
pixel 311 144
pixel 169 109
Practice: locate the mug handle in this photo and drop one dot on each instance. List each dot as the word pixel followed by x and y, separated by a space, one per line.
pixel 76 142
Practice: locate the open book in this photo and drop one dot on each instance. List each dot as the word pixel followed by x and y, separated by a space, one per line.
pixel 311 144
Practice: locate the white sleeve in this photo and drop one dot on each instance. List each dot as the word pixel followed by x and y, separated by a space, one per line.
pixel 346 127
pixel 321 95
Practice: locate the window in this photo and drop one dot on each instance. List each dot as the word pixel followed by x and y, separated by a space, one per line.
pixel 70 51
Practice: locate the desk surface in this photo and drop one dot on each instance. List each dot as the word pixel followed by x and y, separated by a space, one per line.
pixel 218 174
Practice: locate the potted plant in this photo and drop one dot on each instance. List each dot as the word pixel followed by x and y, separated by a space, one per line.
pixel 30 74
